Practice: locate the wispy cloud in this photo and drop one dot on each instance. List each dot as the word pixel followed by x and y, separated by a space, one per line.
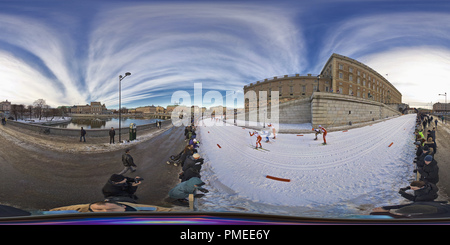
pixel 169 47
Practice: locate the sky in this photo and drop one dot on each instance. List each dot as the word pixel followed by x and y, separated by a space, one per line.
pixel 72 52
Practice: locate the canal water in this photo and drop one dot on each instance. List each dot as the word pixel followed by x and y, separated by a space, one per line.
pixel 104 123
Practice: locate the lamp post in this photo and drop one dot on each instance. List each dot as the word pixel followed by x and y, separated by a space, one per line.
pixel 120 104
pixel 445 94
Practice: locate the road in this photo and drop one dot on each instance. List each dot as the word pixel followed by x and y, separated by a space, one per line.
pixel 36 175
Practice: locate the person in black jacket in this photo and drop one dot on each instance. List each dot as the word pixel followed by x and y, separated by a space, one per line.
pixel 121 188
pixel 423 192
pixel 128 162
pixel 191 172
pixel 112 133
pixel 430 171
pixel 83 134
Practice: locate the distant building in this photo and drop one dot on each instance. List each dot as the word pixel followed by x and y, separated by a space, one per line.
pixel 146 109
pixel 441 107
pixel 5 106
pixel 93 108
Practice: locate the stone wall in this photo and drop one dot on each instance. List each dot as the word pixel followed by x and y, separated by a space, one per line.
pixel 90 132
pixel 295 112
pixel 330 110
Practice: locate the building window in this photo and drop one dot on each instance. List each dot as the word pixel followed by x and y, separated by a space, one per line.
pixel 350 78
pixel 341 75
pixel 341 67
pixel 350 69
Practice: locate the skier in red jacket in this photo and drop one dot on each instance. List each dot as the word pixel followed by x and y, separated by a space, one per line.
pixel 324 131
pixel 258 138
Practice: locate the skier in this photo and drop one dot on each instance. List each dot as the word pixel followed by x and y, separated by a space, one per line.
pixel 273 130
pixel 324 131
pixel 258 138
pixel 317 131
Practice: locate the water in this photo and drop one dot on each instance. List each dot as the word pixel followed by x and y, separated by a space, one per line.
pixel 104 123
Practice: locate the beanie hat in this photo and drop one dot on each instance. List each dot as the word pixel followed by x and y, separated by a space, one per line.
pixel 196 155
pixel 428 158
pixel 117 177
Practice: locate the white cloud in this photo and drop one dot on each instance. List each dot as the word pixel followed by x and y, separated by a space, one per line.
pixel 223 44
pixel 419 73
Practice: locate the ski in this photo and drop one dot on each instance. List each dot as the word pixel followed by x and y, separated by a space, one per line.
pixel 260 149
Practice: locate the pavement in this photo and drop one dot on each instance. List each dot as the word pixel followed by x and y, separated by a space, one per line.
pixel 442 157
pixel 40 172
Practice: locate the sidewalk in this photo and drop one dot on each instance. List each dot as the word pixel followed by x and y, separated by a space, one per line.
pixel 442 156
pixel 72 144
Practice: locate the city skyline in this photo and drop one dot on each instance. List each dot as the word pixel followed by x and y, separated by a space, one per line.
pixel 72 52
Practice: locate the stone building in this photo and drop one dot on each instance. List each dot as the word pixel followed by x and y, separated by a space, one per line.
pixel 351 77
pixel 441 107
pixel 5 106
pixel 340 75
pixel 346 91
pixel 93 108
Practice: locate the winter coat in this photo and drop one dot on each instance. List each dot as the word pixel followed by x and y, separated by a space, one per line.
pixel 127 160
pixel 192 172
pixel 185 155
pixel 112 132
pixel 424 194
pixel 183 189
pixel 190 162
pixel 430 172
pixel 119 190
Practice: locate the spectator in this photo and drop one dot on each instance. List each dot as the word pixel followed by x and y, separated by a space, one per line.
pixel 191 161
pixel 423 192
pixel 191 172
pixel 112 133
pixel 83 134
pixel 128 162
pixel 431 144
pixel 183 189
pixel 121 188
pixel 430 171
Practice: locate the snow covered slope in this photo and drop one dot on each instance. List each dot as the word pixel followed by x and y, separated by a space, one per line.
pixel 357 168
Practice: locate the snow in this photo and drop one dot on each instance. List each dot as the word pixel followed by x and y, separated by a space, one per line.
pixel 356 171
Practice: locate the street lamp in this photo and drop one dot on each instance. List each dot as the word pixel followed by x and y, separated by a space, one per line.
pixel 120 104
pixel 445 94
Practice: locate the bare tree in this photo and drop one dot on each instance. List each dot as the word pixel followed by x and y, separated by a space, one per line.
pixel 39 106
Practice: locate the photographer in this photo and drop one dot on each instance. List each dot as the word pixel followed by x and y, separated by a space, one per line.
pixel 423 192
pixel 121 188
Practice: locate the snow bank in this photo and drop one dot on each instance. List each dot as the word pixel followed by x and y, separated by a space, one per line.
pixel 355 171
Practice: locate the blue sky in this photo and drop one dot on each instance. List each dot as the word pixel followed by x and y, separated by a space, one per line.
pixel 72 52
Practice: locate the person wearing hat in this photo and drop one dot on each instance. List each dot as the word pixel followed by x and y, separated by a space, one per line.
pixel 430 170
pixel 425 152
pixel 191 161
pixel 128 162
pixel 121 188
